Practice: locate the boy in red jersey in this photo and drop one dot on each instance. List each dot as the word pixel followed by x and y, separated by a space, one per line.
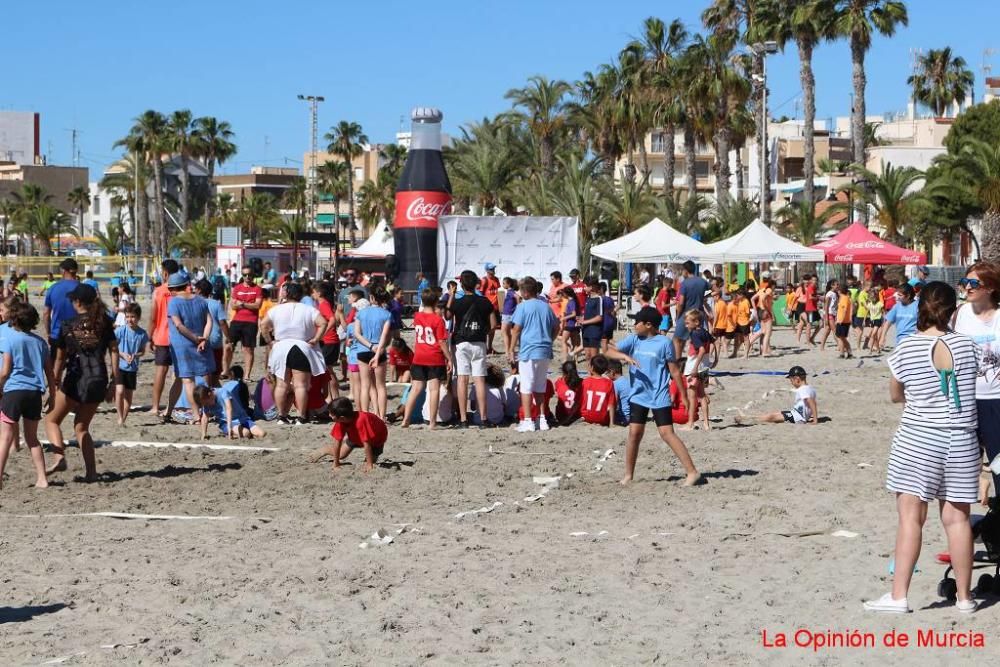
pixel 598 399
pixel 431 357
pixel 354 430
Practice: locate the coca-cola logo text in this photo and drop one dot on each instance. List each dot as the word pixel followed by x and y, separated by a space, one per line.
pixel 858 245
pixel 843 258
pixel 911 259
pixel 422 210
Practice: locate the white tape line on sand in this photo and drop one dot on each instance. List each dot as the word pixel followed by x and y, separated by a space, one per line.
pixel 178 445
pixel 125 515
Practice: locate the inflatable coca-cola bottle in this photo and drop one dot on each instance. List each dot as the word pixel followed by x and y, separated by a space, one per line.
pixel 423 194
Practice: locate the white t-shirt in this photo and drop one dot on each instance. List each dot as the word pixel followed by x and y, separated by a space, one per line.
pixel 987 336
pixel 831 303
pixel 800 411
pixel 444 407
pixel 124 301
pixel 511 396
pixel 293 321
pixel 494 405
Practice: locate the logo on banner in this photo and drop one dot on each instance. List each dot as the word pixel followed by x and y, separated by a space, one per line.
pixel 910 259
pixel 420 209
pixel 862 245
pixel 843 258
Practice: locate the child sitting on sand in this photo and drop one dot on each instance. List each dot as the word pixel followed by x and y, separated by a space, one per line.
pixel 568 393
pixel 354 430
pixel 597 401
pixel 223 405
pixel 805 409
pixel 623 391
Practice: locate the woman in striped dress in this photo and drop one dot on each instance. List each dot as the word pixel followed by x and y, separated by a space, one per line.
pixel 935 453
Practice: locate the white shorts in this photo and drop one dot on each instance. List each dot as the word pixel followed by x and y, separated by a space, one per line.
pixel 470 359
pixel 689 367
pixel 533 374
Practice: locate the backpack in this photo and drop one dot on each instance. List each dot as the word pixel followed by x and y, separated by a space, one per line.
pixel 218 288
pixel 469 327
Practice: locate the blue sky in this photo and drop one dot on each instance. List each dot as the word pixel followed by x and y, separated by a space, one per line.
pixel 96 64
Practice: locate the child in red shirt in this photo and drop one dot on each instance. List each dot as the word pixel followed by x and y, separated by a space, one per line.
pixel 431 358
pixel 354 430
pixel 319 391
pixel 569 394
pixel 598 400
pixel 401 359
pixel 550 391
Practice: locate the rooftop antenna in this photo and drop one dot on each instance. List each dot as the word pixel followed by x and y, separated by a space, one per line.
pixel 987 68
pixel 75 155
pixel 267 143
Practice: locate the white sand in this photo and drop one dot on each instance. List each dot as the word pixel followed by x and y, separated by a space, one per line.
pixel 680 575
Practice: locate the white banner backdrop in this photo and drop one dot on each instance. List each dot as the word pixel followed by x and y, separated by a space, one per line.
pixel 519 245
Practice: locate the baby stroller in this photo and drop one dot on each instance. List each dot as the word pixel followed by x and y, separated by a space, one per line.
pixel 988 530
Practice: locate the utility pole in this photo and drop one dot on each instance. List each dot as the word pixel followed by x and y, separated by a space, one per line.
pixel 761 50
pixel 987 70
pixel 74 133
pixel 313 101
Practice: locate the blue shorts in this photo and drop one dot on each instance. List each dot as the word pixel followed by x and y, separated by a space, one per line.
pixel 245 422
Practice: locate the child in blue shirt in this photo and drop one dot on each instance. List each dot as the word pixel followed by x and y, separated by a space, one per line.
pixel 623 391
pixel 223 405
pixel 132 343
pixel 24 374
pixel 653 365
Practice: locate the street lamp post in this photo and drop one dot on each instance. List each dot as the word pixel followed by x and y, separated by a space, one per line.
pixel 761 50
pixel 313 101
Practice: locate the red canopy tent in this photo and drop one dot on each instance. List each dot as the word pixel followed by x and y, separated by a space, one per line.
pixel 857 245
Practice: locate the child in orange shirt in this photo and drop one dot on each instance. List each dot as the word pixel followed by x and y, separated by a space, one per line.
pixel 845 311
pixel 730 334
pixel 720 316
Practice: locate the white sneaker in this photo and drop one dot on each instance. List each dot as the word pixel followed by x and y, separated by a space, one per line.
pixel 543 425
pixel 526 426
pixel 887 605
pixel 967 606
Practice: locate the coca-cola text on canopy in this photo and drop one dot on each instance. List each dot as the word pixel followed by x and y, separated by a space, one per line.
pixel 856 245
pixel 420 209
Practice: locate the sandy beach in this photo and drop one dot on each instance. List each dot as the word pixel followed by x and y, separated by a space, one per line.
pixel 589 572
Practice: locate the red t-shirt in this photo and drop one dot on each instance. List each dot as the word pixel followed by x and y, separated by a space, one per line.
pixel 490 287
pixel 429 331
pixel 569 400
pixel 243 293
pixel 328 313
pixel 317 397
pixel 663 299
pixel 549 393
pixel 366 427
pixel 401 360
pixel 810 299
pixel 677 411
pixel 580 292
pixel 889 298
pixel 597 394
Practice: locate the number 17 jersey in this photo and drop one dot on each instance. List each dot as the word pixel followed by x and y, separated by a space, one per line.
pixel 597 393
pixel 429 331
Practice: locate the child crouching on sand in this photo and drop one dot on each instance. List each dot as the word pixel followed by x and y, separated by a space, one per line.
pixel 223 404
pixel 354 430
pixel 25 372
pixel 805 409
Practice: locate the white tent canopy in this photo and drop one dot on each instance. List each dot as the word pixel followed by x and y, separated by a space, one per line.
pixel 758 243
pixel 654 242
pixel 379 244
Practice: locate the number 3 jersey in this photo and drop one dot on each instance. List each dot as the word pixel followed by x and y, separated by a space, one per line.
pixel 429 331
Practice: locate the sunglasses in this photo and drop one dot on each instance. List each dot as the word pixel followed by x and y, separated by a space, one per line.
pixel 970 283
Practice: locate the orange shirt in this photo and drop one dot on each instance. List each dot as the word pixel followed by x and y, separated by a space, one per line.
pixel 161 334
pixel 721 313
pixel 731 314
pixel 743 313
pixel 844 309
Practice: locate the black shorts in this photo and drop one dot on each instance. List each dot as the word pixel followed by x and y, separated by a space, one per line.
pixel 989 429
pixel 244 333
pixel 22 403
pixel 298 361
pixel 789 418
pixel 366 357
pixel 162 356
pixel 800 309
pixel 638 414
pixel 424 373
pixel 743 329
pixel 813 316
pixel 730 335
pixel 376 451
pixel 331 354
pixel 127 379
pixel 593 343
pixel 53 347
pixel 843 330
pixel 857 322
pixel 85 392
pixel 608 334
pixel 874 323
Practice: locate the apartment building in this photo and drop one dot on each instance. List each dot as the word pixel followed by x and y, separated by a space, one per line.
pixel 273 181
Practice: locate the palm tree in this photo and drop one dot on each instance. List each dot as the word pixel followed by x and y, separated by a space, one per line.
pixel 44 222
pixel 627 205
pixel 214 143
pixel 975 170
pixel 124 179
pixel 684 216
pixel 181 141
pixel 284 231
pixel 112 240
pixel 198 240
pixel 395 157
pixel 149 133
pixel 800 221
pixel 7 212
pixel 296 197
pixel 331 180
pixel 541 106
pixel 377 199
pixel 79 197
pixel 857 21
pixel 941 80
pixel 224 205
pixel 595 116
pixel 256 214
pixel 729 216
pixel 347 141
pixel 891 193
pixel 806 23
pixel 485 163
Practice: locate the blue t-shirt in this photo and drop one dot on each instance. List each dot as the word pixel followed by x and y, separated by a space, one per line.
pixel 130 342
pixel 28 353
pixel 271 277
pixel 592 308
pixel 62 309
pixel 609 317
pixel 307 301
pixel 218 313
pixel 623 391
pixel 905 319
pixel 371 319
pixel 570 314
pixel 396 311
pixel 90 282
pixel 537 322
pixel 228 391
pixel 5 329
pixel 421 286
pixel 693 290
pixel 651 380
